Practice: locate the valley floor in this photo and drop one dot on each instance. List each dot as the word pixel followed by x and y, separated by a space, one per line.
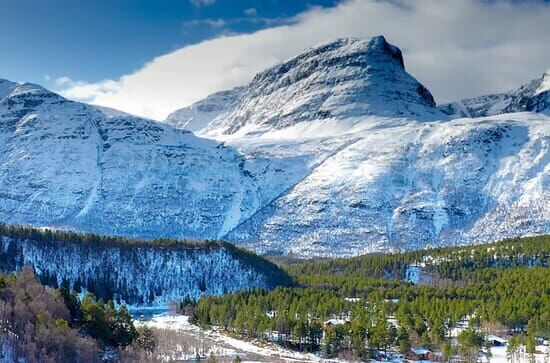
pixel 184 341
pixel 181 341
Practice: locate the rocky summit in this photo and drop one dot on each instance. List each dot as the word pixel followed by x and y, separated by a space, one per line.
pixel 337 80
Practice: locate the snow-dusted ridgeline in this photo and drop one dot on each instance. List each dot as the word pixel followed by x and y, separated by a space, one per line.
pixel 533 96
pixel 140 275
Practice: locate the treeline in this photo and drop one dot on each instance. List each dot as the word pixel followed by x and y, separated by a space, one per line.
pixel 39 324
pixel 455 263
pixel 54 235
pixel 360 309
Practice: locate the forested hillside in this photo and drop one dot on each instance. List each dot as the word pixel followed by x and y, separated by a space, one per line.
pixel 141 273
pixel 360 306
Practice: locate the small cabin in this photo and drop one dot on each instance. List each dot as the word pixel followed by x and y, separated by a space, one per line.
pixel 495 341
pixel 334 322
pixel 421 354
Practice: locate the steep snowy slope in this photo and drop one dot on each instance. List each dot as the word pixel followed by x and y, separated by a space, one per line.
pixel 534 96
pixel 341 79
pixel 67 164
pixel 402 185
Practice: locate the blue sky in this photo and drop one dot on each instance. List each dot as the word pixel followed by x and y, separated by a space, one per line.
pixel 99 39
pixel 150 57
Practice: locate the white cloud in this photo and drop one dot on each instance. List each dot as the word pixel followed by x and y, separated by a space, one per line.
pixel 251 12
pixel 202 2
pixel 214 23
pixel 89 92
pixel 456 48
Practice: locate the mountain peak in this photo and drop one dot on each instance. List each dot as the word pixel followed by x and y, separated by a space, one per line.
pixel 6 87
pixel 544 85
pixel 344 78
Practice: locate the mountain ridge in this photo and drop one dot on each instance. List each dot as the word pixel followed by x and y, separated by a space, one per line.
pixel 533 96
pixel 304 183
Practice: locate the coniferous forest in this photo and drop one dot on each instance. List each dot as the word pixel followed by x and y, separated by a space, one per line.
pixel 362 306
pixel 352 308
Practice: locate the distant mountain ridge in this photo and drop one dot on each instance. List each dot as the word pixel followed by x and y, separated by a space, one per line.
pixel 199 115
pixel 533 96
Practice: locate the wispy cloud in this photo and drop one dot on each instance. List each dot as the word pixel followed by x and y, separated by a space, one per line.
pixel 218 23
pixel 456 48
pixel 214 23
pixel 202 2
pixel 251 12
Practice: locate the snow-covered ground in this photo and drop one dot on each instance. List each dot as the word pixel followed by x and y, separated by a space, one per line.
pixel 499 356
pixel 224 345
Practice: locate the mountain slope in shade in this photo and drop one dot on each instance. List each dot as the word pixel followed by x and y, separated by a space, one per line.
pixel 533 96
pixel 133 271
pixel 337 80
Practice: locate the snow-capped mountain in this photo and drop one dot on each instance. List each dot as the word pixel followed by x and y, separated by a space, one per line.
pixel 383 168
pixel 67 164
pixel 337 80
pixel 533 96
pixel 337 151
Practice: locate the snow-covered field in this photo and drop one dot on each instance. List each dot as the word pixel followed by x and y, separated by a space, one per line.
pixel 203 342
pixel 499 356
pixel 225 346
